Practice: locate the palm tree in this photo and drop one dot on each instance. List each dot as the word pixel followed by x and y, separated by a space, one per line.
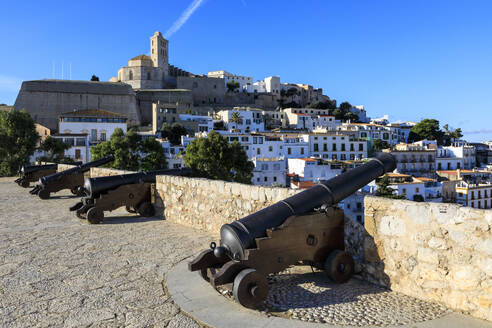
pixel 236 118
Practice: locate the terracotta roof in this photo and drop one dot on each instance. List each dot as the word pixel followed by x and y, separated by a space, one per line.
pixel 454 172
pixel 425 179
pixel 141 57
pixel 306 184
pixel 300 114
pixel 308 159
pixel 396 175
pixel 91 113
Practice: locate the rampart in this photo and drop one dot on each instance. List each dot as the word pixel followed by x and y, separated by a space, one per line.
pixel 45 100
pixel 432 251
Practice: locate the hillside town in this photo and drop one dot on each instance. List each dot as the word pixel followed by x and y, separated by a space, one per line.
pixel 293 134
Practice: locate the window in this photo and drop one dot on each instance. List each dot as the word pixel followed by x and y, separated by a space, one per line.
pixel 315 147
pixel 325 147
pixel 93 134
pixel 343 147
pixel 351 147
pixel 361 147
pixel 176 165
pixel 260 140
pixel 258 151
pixel 255 140
pixel 352 157
pixel 264 167
pixel 343 157
pixel 334 156
pixel 276 167
pixel 302 150
pixel 77 153
pixel 103 136
pixel 404 190
pixel 244 139
pixel 334 147
pixel 289 151
pixel 80 142
pixel 359 219
pixel 274 179
pixel 270 148
pixel 416 190
pixel 265 179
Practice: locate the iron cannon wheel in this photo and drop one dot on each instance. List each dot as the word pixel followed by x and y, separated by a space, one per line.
pixel 146 209
pixel 250 288
pixel 339 266
pixel 79 212
pixel 130 209
pixel 95 215
pixel 74 191
pixel 43 194
pixel 24 184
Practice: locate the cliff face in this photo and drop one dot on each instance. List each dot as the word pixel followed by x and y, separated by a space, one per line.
pixel 45 100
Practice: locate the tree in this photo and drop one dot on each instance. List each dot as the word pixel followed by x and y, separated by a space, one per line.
pixel 384 190
pixel 55 148
pixel 124 148
pixel 214 158
pixel 94 78
pixel 345 106
pixel 236 117
pixel 173 132
pixel 378 144
pixel 427 129
pixel 232 85
pixel 451 135
pixel 18 138
pixel 154 158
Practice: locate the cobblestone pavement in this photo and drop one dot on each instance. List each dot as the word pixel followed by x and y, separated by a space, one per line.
pixel 314 298
pixel 57 270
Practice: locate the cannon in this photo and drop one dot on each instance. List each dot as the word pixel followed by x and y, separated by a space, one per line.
pixel 71 179
pixel 307 228
pixel 32 173
pixel 109 193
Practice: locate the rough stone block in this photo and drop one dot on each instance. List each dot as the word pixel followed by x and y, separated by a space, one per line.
pixel 437 243
pixel 427 255
pixel 465 277
pixel 419 214
pixel 392 226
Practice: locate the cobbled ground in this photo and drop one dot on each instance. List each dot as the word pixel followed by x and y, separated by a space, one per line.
pixel 59 271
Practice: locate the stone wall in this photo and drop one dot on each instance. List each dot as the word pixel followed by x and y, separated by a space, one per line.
pixel 433 251
pixel 208 204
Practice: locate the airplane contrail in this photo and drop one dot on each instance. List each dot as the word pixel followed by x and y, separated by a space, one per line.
pixel 183 18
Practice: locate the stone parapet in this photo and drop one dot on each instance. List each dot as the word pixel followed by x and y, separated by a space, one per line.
pixel 433 251
pixel 208 204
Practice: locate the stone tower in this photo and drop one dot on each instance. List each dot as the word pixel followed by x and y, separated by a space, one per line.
pixel 159 51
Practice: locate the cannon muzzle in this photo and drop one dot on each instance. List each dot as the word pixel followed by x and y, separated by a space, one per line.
pixel 34 168
pixel 241 234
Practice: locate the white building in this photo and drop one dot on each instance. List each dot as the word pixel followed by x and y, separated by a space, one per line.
pixel 244 81
pixel 205 123
pixel 446 160
pixel 97 123
pixel 460 149
pixel 416 189
pixel 370 131
pixel 269 171
pixel 249 120
pixel 172 153
pixel 475 193
pixel 337 146
pixel 309 119
pixel 313 169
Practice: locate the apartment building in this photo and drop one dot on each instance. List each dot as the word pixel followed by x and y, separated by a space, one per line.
pixel 475 193
pixel 337 146
pixel 414 159
pixel 244 121
pixel 269 171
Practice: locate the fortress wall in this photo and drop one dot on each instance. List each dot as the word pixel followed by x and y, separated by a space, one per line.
pixel 208 204
pixel 46 100
pixel 433 251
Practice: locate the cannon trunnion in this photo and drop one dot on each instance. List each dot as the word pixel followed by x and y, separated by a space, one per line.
pixel 109 193
pixel 32 173
pixel 305 228
pixel 71 179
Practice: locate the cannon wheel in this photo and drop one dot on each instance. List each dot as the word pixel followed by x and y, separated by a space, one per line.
pixel 130 209
pixel 74 191
pixel 79 213
pixel 24 184
pixel 95 215
pixel 339 266
pixel 146 209
pixel 44 194
pixel 250 288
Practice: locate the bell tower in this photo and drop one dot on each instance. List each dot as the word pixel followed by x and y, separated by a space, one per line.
pixel 159 51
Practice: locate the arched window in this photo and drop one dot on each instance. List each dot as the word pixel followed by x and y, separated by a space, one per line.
pixel 131 75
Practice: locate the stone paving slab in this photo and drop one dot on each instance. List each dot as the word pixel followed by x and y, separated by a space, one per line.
pixel 203 303
pixel 59 271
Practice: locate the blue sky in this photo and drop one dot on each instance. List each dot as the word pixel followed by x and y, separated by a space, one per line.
pixel 409 59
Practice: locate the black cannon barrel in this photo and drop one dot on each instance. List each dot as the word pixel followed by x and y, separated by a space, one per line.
pixel 94 186
pixel 80 168
pixel 34 168
pixel 241 234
